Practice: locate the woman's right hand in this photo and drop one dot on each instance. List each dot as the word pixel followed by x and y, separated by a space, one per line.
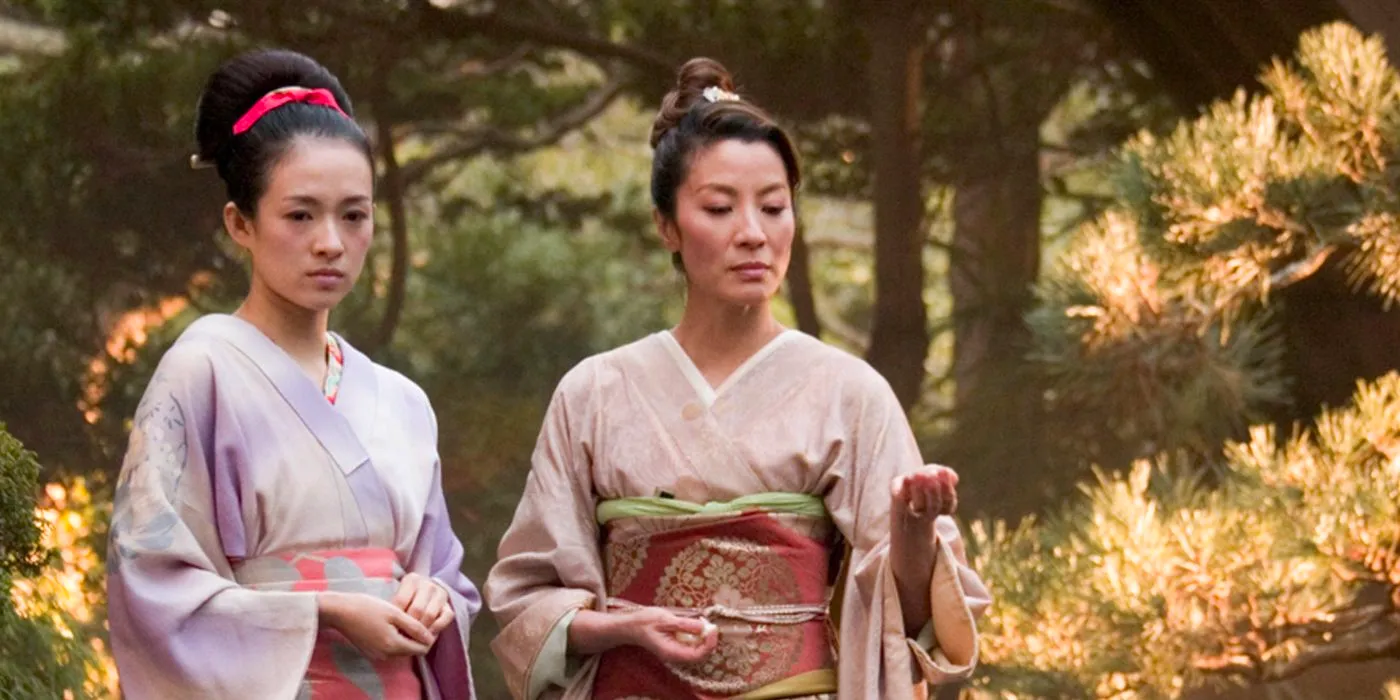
pixel 658 631
pixel 377 628
pixel 653 629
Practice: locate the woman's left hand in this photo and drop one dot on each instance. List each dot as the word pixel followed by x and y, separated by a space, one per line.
pixel 927 493
pixel 425 601
pixel 916 500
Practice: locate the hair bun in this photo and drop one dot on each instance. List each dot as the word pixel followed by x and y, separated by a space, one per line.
pixel 694 77
pixel 243 80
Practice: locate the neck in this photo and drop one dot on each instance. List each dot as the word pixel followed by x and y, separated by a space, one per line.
pixel 300 332
pixel 719 337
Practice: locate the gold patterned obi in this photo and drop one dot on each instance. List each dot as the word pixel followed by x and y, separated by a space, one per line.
pixel 760 573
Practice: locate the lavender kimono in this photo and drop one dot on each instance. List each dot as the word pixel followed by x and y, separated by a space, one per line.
pixel 239 475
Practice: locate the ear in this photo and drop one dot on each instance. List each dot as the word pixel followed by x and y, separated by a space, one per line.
pixel 667 229
pixel 238 225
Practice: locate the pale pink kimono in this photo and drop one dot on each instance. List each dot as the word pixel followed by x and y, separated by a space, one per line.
pixel 798 417
pixel 237 457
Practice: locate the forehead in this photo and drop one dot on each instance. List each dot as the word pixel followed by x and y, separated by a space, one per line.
pixel 737 164
pixel 321 168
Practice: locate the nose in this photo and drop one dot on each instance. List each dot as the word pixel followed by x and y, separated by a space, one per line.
pixel 751 234
pixel 328 242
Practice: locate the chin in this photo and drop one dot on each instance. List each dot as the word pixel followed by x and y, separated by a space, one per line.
pixel 748 298
pixel 317 303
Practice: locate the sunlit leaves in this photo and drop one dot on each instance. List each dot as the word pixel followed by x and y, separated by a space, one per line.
pixel 1155 580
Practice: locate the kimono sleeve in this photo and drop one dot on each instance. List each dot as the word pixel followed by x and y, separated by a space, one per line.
pixel 549 566
pixel 438 551
pixel 180 625
pixel 875 649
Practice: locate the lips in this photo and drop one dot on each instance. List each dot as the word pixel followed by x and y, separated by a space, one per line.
pixel 327 278
pixel 751 267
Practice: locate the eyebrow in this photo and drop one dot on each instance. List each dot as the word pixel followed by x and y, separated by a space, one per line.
pixel 726 189
pixel 308 199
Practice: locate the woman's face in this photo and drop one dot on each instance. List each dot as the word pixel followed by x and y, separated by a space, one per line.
pixel 734 223
pixel 313 224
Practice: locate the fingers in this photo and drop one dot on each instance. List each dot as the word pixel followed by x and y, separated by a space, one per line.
pixel 681 640
pixel 672 650
pixel 675 623
pixel 929 492
pixel 403 646
pixel 946 492
pixel 408 587
pixel 909 492
pixel 428 601
pixel 444 618
pixel 411 628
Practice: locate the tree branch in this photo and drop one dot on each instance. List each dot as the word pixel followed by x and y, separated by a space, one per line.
pixel 501 141
pixel 837 240
pixel 857 340
pixel 1301 269
pixel 1382 641
pixel 457 24
pixel 486 69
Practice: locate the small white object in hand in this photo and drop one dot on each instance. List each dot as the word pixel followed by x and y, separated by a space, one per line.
pixel 696 640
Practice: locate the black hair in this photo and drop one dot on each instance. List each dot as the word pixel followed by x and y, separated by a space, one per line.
pixel 244 160
pixel 688 122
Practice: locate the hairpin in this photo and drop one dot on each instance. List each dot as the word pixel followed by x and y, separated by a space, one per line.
pixel 197 163
pixel 715 93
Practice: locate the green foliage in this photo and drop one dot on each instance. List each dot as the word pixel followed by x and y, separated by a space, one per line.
pixel 1259 183
pixel 1154 582
pixel 549 256
pixel 40 660
pixel 20 553
pixel 1227 551
pixel 1158 322
pixel 1119 342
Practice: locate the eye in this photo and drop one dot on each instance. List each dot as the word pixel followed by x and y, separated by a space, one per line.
pixel 775 209
pixel 356 216
pixel 300 215
pixel 719 210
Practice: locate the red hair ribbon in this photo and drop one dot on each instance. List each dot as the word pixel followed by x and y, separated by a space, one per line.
pixel 282 96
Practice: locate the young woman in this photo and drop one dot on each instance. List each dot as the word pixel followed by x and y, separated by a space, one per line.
pixel 279 527
pixel 692 494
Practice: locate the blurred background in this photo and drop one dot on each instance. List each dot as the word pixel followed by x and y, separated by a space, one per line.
pixel 1129 265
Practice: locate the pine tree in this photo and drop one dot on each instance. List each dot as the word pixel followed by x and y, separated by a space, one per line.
pixel 1225 551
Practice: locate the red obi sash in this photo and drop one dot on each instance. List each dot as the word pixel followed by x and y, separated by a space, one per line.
pixel 338 671
pixel 762 582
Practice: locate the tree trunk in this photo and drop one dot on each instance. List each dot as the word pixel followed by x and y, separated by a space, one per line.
pixel 995 260
pixel 899 335
pixel 393 190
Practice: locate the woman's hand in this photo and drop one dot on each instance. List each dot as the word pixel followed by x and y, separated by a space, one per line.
pixel 927 493
pixel 668 636
pixel 425 601
pixel 375 627
pixel 916 500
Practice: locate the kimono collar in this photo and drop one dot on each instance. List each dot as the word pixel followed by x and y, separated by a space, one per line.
pixel 331 428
